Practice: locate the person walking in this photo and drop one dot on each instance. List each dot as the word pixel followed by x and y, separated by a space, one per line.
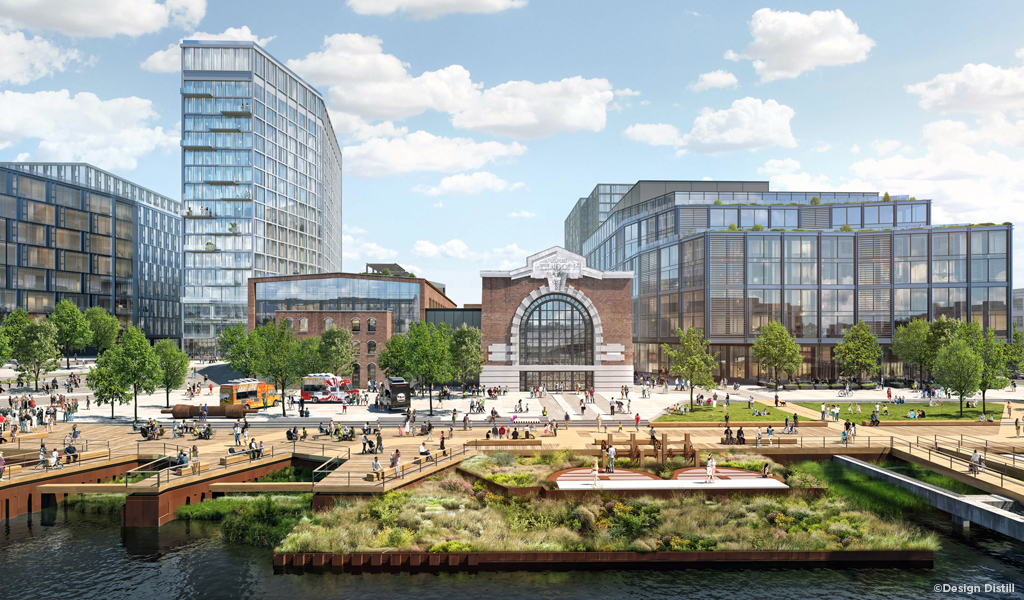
pixel 611 459
pixel 1016 424
pixel 636 420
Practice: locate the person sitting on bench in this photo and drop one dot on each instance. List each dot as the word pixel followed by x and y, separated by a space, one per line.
pixel 378 471
pixel 740 439
pixel 288 435
pixel 72 453
pixel 728 435
pixel 304 435
pixel 424 451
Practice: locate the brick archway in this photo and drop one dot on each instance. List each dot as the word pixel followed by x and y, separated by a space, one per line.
pixel 535 295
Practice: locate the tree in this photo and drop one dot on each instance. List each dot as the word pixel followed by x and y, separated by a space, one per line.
pixel 430 355
pixel 14 323
pixel 859 352
pixel 173 367
pixel 236 347
pixel 104 327
pixel 1015 350
pixel 940 333
pixel 776 349
pixel 815 201
pixel 693 360
pixel 335 353
pixel 992 352
pixel 106 382
pixel 137 364
pixel 73 331
pixel 395 358
pixel 886 198
pixel 467 353
pixel 958 369
pixel 910 344
pixel 36 351
pixel 274 349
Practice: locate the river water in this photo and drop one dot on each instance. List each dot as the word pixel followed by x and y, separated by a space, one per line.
pixel 65 554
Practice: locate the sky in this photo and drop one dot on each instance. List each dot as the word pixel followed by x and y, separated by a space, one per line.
pixel 469 128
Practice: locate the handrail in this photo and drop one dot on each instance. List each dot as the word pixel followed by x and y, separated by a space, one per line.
pixel 447 456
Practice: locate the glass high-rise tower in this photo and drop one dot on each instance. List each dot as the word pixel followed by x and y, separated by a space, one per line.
pixel 261 181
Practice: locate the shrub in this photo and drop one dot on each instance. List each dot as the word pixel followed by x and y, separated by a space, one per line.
pixel 513 479
pixel 456 485
pixel 815 201
pixel 757 227
pixel 504 459
pixel 385 509
pixel 453 546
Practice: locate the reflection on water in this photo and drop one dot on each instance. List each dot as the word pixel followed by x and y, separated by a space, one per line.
pixel 65 554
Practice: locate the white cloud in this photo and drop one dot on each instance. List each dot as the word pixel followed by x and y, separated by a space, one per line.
pixel 714 80
pixel 626 92
pixel 787 44
pixel 429 9
pixel 471 184
pixel 454 248
pixel 351 229
pixel 104 18
pixel 855 149
pixel 26 59
pixel 354 248
pixel 168 60
pixel 974 88
pixel 883 147
pixel 111 134
pixel 422 151
pixel 522 214
pixel 821 147
pixel 748 124
pixel 510 255
pixel 366 83
pixel 778 166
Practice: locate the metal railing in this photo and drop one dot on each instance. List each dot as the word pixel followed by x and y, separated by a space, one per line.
pixel 401 471
pixel 330 466
pixel 953 462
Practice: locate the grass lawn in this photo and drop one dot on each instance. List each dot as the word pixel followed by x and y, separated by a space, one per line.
pixel 947 410
pixel 737 412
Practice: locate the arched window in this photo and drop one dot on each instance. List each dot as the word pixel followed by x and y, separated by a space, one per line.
pixel 290 323
pixel 556 330
pixel 328 324
pixel 371 325
pixel 355 376
pixel 355 324
pixel 303 324
pixel 371 347
pixel 355 347
pixel 371 373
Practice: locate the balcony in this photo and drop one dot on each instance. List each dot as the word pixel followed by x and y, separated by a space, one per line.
pixel 243 110
pixel 198 147
pixel 200 215
pixel 225 130
pixel 221 182
pixel 204 95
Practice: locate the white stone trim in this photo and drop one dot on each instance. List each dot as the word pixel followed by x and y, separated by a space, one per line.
pixel 517 319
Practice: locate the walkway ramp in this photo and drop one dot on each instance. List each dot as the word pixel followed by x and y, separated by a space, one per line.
pixel 965 509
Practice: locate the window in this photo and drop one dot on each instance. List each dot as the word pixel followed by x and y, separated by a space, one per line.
pixel 801 260
pixel 910 304
pixel 693 263
pixel 763 306
pixel 763 254
pixel 911 214
pixel 911 258
pixel 355 347
pixel 371 325
pixel 753 216
pixel 848 215
pixel 950 303
pixel 303 325
pixel 371 372
pixel 669 312
pixel 988 256
pixel 371 347
pixel 874 260
pixel 801 309
pixel 556 330
pixel 356 383
pixel 723 217
pixel 693 310
pixel 874 308
pixel 878 216
pixel 670 268
pixel 328 324
pixel 837 260
pixel 949 257
pixel 836 312
pixel 355 325
pixel 784 218
pixel 988 308
pixel 290 323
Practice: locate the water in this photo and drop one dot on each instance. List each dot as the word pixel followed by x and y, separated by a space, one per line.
pixel 85 557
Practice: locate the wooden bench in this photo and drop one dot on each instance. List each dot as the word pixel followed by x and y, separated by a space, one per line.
pixel 91 454
pixel 38 435
pixel 234 459
pixel 779 441
pixel 519 442
pixel 187 469
pixel 11 470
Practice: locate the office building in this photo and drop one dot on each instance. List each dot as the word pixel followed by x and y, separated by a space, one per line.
pixel 373 307
pixel 72 231
pixel 727 257
pixel 261 181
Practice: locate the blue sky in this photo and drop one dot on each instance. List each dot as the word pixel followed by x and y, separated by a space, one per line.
pixel 470 127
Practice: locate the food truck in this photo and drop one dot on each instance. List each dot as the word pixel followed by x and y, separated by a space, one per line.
pixel 250 392
pixel 397 394
pixel 325 387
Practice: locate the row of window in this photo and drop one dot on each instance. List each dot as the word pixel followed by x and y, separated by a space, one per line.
pixel 371 326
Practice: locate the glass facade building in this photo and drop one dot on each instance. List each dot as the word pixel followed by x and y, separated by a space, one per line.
pixel 261 181
pixel 72 231
pixel 728 257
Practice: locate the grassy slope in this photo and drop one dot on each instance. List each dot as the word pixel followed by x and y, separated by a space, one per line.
pixel 737 412
pixel 948 410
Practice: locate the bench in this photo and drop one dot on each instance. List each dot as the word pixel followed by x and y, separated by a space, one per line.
pixel 10 470
pixel 38 435
pixel 519 442
pixel 187 469
pixel 88 455
pixel 234 459
pixel 213 434
pixel 779 441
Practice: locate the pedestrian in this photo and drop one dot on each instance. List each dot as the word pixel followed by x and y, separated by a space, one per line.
pixel 636 420
pixel 1016 424
pixel 566 420
pixel 380 441
pixel 611 459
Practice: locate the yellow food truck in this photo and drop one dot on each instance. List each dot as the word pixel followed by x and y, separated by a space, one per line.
pixel 250 392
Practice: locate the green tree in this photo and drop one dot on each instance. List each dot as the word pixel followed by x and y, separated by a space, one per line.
pixel 104 327
pixel 335 351
pixel 430 355
pixel 859 352
pixel 36 351
pixel 73 331
pixel 846 228
pixel 776 349
pixel 693 361
pixel 173 367
pixel 940 332
pixel 886 198
pixel 958 368
pixel 1015 350
pixel 395 359
pixel 815 201
pixel 236 348
pixel 274 350
pixel 467 353
pixel 993 354
pixel 105 379
pixel 14 323
pixel 137 365
pixel 910 344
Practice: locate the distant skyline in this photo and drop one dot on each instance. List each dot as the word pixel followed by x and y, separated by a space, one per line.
pixel 469 128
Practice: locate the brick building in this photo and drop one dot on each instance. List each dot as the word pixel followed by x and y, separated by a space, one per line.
pixel 373 307
pixel 557 323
